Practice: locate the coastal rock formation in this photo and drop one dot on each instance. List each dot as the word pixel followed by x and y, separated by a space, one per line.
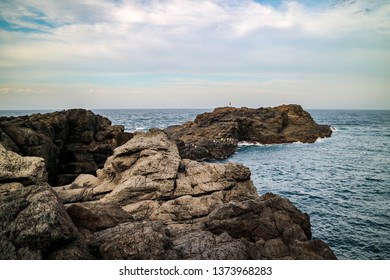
pixel 17 169
pixel 145 201
pixel 149 203
pixel 71 142
pixel 215 135
pixel 148 179
pixel 33 222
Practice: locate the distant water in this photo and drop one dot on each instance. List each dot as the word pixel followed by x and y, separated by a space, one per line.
pixel 143 119
pixel 342 182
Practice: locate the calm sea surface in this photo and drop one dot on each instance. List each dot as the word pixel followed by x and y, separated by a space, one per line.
pixel 342 182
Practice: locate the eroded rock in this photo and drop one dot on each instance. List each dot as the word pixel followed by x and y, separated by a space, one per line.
pixel 35 225
pixel 146 202
pixel 187 209
pixel 25 170
pixel 71 142
pixel 215 135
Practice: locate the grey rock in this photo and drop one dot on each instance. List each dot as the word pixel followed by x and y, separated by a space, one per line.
pixel 71 142
pixel 15 168
pixel 215 135
pixel 35 225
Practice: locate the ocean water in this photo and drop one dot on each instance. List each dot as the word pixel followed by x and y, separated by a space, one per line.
pixel 342 182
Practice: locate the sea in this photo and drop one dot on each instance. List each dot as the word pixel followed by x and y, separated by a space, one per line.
pixel 342 182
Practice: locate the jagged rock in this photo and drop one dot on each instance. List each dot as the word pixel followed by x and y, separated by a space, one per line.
pixel 96 217
pixel 71 142
pixel 147 177
pixel 215 135
pixel 33 221
pixel 204 245
pixel 35 225
pixel 148 203
pixel 25 170
pixel 273 224
pixel 144 240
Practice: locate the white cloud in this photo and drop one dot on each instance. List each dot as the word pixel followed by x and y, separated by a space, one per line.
pixel 88 42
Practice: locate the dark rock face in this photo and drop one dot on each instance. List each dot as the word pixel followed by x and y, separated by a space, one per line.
pixel 215 135
pixel 35 225
pixel 71 142
pixel 146 202
pixel 33 222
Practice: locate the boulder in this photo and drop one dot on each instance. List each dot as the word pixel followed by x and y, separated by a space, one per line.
pixel 148 203
pixel 144 240
pixel 33 221
pixel 71 142
pixel 215 135
pixel 147 176
pixel 274 226
pixel 35 225
pixel 25 170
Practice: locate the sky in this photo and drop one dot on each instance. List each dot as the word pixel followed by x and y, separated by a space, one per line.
pixel 331 54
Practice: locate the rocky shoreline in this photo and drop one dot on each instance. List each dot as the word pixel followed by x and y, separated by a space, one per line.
pixel 215 135
pixel 146 201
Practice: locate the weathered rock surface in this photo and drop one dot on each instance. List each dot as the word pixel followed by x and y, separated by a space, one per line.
pixel 215 135
pixel 147 178
pixel 71 142
pixel 33 221
pixel 25 170
pixel 148 203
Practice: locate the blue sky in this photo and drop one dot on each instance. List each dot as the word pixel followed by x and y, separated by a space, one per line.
pixel 194 54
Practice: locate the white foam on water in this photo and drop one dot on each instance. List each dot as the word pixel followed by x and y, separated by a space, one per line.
pixel 245 143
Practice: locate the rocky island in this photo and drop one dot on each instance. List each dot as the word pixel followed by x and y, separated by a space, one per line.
pixel 215 135
pixel 146 202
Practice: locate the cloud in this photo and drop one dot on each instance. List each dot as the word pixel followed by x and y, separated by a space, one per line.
pixel 118 44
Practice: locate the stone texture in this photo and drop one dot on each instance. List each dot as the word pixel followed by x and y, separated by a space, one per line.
pixel 71 142
pixel 147 177
pixel 215 135
pixel 33 221
pixel 144 240
pixel 146 202
pixel 15 168
pixel 35 225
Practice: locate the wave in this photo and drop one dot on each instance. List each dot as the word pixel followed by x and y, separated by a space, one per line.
pixel 135 129
pixel 246 143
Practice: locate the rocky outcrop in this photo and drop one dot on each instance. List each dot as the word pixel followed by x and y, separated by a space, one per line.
pixel 71 142
pixel 17 169
pixel 145 201
pixel 215 135
pixel 147 178
pixel 149 203
pixel 33 221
